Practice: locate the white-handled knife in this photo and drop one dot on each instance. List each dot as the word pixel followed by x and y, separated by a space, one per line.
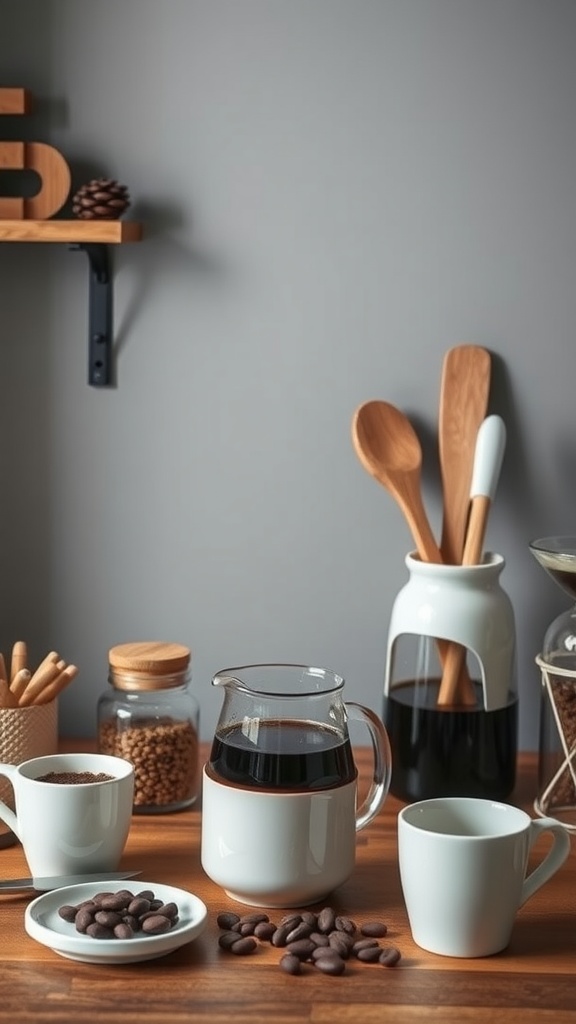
pixel 60 881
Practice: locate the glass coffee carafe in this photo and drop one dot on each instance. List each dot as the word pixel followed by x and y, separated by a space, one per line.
pixel 557 661
pixel 280 806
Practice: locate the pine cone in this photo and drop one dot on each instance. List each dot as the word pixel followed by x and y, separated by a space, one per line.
pixel 101 199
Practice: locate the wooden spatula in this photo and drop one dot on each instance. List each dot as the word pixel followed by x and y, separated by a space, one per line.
pixel 464 393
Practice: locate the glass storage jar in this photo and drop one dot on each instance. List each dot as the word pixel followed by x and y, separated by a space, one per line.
pixel 556 794
pixel 150 717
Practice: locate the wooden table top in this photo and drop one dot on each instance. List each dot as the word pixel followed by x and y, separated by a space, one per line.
pixel 533 980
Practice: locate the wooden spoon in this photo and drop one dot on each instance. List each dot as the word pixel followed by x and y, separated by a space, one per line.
pixel 388 448
pixel 464 393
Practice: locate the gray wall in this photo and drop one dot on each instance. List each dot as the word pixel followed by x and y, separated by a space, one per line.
pixel 334 192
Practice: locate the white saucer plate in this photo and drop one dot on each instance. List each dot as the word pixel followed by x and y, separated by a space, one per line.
pixel 43 923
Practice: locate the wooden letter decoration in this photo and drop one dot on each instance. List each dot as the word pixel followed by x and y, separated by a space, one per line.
pixel 45 160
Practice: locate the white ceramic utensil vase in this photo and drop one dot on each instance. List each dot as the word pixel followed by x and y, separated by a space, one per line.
pixel 455 750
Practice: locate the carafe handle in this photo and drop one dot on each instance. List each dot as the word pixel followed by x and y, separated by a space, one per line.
pixel 380 785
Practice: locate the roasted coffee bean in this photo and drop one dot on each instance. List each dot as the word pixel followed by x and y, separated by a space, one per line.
pixel 364 944
pixel 123 931
pixel 88 905
pixel 226 919
pixel 157 924
pixel 323 952
pixel 309 917
pixel 326 920
pixel 390 956
pixel 169 910
pixel 116 901
pixel 227 939
pixel 369 954
pixel 100 896
pixel 344 924
pixel 131 921
pixel 145 894
pixel 253 919
pixel 99 931
pixel 341 943
pixel 84 918
pixel 375 929
pixel 302 948
pixel 301 931
pixel 318 939
pixel 68 913
pixel 290 919
pixel 330 965
pixel 109 918
pixel 138 906
pixel 264 930
pixel 242 947
pixel 290 963
pixel 279 936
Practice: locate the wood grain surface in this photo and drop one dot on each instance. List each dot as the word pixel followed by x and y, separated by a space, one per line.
pixel 533 980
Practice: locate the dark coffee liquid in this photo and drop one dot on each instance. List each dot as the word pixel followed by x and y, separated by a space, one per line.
pixel 439 752
pixel 566 579
pixel 293 756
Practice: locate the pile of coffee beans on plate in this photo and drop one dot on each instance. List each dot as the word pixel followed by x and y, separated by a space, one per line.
pixel 121 915
pixel 326 939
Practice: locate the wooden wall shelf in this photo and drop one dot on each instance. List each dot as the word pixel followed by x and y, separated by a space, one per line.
pixel 105 231
pixel 92 237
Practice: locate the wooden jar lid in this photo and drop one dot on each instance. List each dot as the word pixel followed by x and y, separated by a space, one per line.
pixel 142 665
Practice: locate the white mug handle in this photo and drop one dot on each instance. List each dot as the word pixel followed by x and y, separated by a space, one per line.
pixel 553 859
pixel 6 813
pixel 382 763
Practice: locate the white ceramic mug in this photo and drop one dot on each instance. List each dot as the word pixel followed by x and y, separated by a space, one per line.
pixel 463 865
pixel 70 828
pixel 278 849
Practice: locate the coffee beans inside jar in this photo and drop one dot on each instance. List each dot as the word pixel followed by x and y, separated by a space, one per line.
pixel 150 718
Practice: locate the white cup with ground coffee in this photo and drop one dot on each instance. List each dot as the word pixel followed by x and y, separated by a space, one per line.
pixel 73 811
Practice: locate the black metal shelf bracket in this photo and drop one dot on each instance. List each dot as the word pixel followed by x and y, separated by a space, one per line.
pixel 100 313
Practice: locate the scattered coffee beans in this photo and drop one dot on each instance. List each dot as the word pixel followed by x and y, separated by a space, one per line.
pixel 324 940
pixel 74 778
pixel 122 915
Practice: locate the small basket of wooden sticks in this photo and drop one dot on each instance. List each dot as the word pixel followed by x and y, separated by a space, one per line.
pixel 28 713
pixel 22 688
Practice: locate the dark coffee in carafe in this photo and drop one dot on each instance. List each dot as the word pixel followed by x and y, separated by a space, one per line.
pixel 289 755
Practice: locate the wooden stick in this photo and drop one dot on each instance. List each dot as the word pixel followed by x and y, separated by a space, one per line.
pixel 51 691
pixel 51 658
pixel 7 698
pixel 19 659
pixel 41 678
pixel 20 682
pixel 3 672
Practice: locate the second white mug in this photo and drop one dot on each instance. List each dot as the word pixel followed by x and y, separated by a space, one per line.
pixel 463 864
